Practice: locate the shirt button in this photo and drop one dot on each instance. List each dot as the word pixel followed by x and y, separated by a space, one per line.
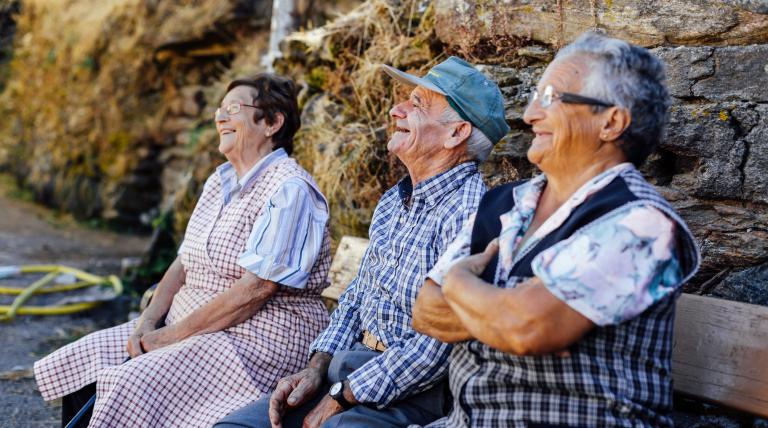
pixel 393 262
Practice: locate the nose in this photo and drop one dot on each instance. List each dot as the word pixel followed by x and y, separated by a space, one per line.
pixel 220 115
pixel 533 112
pixel 399 110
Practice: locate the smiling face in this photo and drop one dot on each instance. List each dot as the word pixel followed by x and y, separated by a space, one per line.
pixel 239 132
pixel 417 130
pixel 566 135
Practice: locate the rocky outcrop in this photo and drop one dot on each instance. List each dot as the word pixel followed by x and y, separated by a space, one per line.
pixel 483 28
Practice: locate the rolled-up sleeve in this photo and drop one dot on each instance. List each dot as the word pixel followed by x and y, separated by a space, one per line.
pixel 616 268
pixel 288 236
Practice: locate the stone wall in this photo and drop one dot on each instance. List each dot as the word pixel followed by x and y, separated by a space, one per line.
pixel 713 163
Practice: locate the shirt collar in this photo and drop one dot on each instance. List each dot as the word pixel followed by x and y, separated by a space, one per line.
pixel 431 190
pixel 230 184
pixel 527 196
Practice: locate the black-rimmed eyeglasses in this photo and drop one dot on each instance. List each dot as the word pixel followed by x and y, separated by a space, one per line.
pixel 550 95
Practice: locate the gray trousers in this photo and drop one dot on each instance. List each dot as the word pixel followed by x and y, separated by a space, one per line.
pixel 421 408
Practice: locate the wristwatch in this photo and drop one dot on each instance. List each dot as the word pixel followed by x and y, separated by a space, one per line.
pixel 337 393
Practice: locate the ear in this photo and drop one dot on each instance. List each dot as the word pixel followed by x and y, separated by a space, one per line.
pixel 617 120
pixel 460 133
pixel 277 123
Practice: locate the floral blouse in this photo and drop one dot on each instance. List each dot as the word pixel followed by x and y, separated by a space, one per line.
pixel 609 271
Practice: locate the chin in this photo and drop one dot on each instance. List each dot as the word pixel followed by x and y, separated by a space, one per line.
pixel 225 148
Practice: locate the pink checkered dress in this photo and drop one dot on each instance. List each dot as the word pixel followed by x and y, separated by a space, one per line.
pixel 199 380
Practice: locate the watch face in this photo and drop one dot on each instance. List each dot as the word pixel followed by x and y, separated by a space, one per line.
pixel 336 388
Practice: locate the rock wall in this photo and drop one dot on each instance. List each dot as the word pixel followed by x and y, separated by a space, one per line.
pixel 713 163
pixel 101 97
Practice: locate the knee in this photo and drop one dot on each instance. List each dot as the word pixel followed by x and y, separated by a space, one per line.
pixel 254 415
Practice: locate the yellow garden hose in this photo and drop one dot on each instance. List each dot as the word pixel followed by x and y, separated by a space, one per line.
pixel 52 272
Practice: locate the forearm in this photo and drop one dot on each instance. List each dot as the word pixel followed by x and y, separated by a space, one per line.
pixel 234 306
pixel 410 366
pixel 525 320
pixel 479 309
pixel 433 316
pixel 167 288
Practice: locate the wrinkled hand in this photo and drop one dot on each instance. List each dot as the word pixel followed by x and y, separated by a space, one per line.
pixel 325 409
pixel 471 265
pixel 293 391
pixel 159 338
pixel 133 346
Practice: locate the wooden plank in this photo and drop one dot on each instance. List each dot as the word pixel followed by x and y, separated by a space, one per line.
pixel 721 352
pixel 345 264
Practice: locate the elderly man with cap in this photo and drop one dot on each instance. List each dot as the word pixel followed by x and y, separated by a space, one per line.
pixel 369 368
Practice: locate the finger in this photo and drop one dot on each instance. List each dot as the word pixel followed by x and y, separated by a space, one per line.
pixel 299 394
pixel 134 347
pixel 276 403
pixel 479 261
pixel 275 413
pixel 492 247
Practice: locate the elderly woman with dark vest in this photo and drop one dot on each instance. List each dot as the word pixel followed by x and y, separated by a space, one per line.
pixel 563 314
pixel 241 302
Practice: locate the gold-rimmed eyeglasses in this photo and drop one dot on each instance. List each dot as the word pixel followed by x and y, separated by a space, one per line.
pixel 233 108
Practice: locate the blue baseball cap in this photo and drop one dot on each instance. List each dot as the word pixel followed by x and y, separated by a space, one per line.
pixel 476 98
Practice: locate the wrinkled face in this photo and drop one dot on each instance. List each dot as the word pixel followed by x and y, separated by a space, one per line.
pixel 564 133
pixel 417 130
pixel 238 130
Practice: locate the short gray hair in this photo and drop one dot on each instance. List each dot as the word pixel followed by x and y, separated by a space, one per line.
pixel 630 77
pixel 478 145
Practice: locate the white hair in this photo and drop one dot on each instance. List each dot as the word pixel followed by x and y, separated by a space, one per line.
pixel 630 77
pixel 478 145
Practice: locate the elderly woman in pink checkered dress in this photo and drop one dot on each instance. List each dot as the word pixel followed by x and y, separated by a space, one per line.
pixel 241 302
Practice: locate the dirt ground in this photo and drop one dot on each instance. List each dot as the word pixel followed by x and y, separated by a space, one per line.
pixel 30 234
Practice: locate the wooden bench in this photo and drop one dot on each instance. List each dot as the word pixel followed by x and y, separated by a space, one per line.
pixel 720 351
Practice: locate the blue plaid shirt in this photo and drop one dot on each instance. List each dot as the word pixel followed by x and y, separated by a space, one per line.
pixel 410 228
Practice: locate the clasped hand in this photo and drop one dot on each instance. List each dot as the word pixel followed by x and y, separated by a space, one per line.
pixel 147 337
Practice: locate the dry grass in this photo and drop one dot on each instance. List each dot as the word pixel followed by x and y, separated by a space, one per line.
pixel 85 95
pixel 347 99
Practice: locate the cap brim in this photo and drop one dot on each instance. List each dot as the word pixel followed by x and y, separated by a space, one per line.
pixel 410 79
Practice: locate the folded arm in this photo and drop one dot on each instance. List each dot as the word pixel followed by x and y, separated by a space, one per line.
pixel 433 316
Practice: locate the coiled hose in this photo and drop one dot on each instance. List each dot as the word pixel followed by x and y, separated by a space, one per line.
pixel 41 286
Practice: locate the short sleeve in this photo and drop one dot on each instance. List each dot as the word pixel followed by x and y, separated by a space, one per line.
pixel 287 237
pixel 456 250
pixel 615 268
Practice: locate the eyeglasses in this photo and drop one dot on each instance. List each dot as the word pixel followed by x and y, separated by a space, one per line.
pixel 549 96
pixel 233 108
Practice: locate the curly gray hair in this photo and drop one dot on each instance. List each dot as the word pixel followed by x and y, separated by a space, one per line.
pixel 630 77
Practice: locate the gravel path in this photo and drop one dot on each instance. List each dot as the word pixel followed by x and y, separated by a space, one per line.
pixel 30 234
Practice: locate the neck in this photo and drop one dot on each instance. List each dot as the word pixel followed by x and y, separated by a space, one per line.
pixel 563 183
pixel 424 169
pixel 246 160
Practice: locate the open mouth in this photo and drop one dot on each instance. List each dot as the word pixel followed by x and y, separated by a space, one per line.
pixel 399 129
pixel 226 131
